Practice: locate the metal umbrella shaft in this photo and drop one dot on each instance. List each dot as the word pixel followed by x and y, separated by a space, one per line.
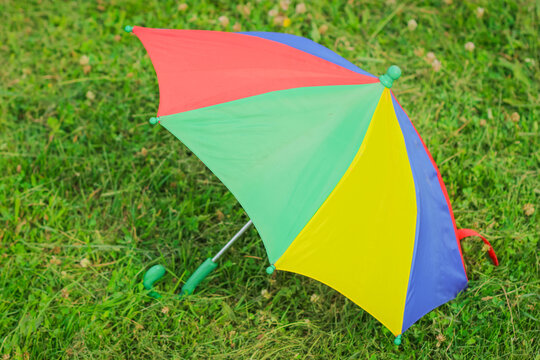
pixel 234 238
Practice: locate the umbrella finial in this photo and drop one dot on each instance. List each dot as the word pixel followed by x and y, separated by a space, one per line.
pixel 128 28
pixel 153 120
pixel 270 269
pixel 393 73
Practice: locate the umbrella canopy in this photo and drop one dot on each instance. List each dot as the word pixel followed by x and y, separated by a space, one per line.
pixel 323 159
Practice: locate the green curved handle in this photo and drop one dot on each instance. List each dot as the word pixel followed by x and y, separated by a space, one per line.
pixel 153 274
pixel 199 275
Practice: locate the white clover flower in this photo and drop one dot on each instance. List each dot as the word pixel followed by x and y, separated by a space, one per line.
pixel 323 28
pixel 265 294
pixel 273 13
pixel 301 8
pixel 480 12
pixel 85 263
pixel 430 57
pixel 469 46
pixel 223 20
pixel 528 209
pixel 84 60
pixel 284 4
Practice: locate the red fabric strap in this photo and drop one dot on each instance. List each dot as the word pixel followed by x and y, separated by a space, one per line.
pixel 463 233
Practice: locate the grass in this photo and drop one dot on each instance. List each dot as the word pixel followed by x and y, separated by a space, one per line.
pixel 91 195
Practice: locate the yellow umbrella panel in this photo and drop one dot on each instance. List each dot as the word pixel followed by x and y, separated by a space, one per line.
pixel 361 240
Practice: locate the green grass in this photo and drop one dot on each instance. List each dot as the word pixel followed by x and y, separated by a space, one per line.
pixel 83 176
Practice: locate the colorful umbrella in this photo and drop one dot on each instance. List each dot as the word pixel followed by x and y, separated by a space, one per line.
pixel 323 159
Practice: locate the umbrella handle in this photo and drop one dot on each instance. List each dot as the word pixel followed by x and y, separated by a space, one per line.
pixel 199 275
pixel 156 272
pixel 153 274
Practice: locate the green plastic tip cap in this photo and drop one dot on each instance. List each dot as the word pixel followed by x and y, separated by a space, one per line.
pixel 128 28
pixel 154 120
pixel 392 74
pixel 397 340
pixel 270 269
pixel 153 274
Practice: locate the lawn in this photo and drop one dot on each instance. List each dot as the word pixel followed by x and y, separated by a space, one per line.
pixel 91 195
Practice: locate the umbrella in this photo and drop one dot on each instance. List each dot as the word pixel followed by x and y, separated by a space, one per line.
pixel 323 159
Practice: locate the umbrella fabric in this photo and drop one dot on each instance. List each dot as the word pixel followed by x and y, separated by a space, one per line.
pixel 323 159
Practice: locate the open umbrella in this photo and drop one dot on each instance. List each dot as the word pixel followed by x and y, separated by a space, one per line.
pixel 323 159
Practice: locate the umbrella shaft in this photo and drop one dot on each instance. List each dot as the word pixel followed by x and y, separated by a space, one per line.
pixel 234 238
